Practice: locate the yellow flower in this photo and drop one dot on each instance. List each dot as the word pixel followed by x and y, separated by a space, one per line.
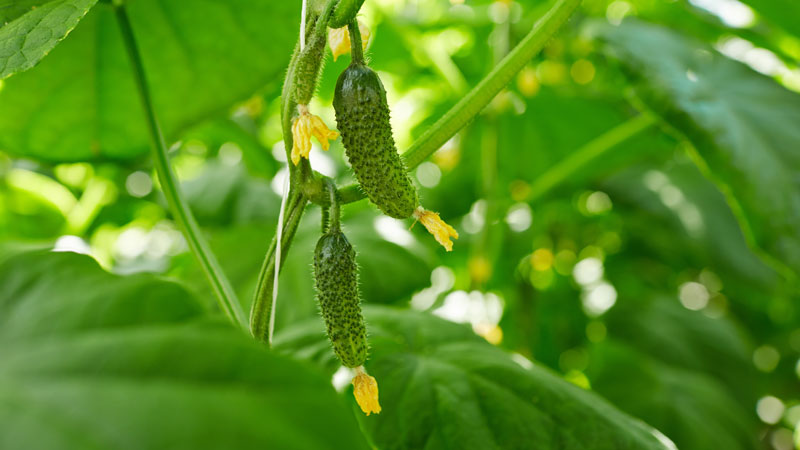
pixel 437 227
pixel 365 389
pixel 304 126
pixel 339 39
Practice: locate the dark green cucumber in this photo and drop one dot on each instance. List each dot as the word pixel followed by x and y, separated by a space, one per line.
pixel 362 115
pixel 344 13
pixel 336 275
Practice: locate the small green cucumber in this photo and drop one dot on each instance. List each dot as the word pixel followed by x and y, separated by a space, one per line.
pixel 362 115
pixel 336 275
pixel 345 13
pixel 307 68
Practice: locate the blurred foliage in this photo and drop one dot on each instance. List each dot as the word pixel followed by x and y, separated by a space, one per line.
pixel 629 212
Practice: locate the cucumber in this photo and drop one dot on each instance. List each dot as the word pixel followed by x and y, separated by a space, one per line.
pixel 362 115
pixel 336 275
pixel 309 62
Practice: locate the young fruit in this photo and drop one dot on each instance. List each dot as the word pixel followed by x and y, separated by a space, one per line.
pixel 336 276
pixel 344 13
pixel 309 62
pixel 362 115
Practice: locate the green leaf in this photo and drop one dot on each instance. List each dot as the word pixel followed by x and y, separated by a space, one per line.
pixel 93 360
pixel 201 56
pixel 30 29
pixel 691 408
pixel 784 13
pixel 693 211
pixel 443 387
pixel 688 339
pixel 743 125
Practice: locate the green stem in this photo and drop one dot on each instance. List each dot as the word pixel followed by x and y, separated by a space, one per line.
pixel 335 214
pixel 301 179
pixel 480 96
pixel 169 184
pixel 288 107
pixel 356 51
pixel 586 154
pixel 261 311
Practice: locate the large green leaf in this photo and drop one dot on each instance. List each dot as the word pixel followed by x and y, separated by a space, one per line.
pixel 200 56
pixel 692 408
pixel 687 339
pixel 92 360
pixel 443 387
pixel 677 197
pixel 30 29
pixel 743 124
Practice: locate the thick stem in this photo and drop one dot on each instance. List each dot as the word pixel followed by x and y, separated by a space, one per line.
pixel 261 311
pixel 587 153
pixel 469 106
pixel 169 184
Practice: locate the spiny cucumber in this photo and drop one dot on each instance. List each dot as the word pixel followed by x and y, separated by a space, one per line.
pixel 336 275
pixel 362 115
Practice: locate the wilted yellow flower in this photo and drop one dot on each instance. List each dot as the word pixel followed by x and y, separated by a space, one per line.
pixel 437 227
pixel 339 39
pixel 304 126
pixel 365 389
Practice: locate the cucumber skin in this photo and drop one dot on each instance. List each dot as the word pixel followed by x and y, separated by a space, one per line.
pixel 336 275
pixel 345 13
pixel 362 115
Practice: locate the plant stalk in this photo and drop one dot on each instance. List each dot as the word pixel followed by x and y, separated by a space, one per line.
pixel 480 96
pixel 169 184
pixel 261 311
pixel 356 50
pixel 589 152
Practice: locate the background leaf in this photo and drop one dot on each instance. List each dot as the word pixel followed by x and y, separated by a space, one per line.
pixel 743 125
pixel 30 29
pixel 200 57
pixel 692 408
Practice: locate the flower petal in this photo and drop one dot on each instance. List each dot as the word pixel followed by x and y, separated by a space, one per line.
pixel 440 230
pixel 339 41
pixel 301 138
pixel 365 389
pixel 322 132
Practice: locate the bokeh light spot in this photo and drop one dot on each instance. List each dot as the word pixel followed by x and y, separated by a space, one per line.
pixel 769 409
pixel 139 184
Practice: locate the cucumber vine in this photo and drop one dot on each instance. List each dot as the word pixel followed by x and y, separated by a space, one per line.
pixel 360 98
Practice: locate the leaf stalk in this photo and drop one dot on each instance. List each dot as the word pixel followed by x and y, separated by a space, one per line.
pixel 178 205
